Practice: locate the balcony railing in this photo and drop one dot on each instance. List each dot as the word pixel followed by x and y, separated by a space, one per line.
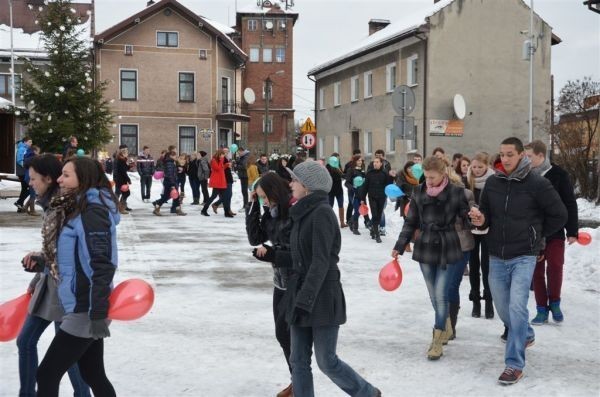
pixel 230 107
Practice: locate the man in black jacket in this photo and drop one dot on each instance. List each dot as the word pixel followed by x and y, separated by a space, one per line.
pixel 547 297
pixel 145 167
pixel 520 208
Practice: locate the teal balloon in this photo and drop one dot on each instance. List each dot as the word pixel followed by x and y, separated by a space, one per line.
pixel 393 191
pixel 80 153
pixel 358 181
pixel 417 171
pixel 333 162
pixel 233 148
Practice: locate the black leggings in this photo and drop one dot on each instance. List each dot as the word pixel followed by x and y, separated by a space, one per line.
pixel 377 205
pixel 282 330
pixel 66 350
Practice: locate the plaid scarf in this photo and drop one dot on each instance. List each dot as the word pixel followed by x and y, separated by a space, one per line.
pixel 61 206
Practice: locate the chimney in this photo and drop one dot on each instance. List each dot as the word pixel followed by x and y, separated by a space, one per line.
pixel 149 3
pixel 375 25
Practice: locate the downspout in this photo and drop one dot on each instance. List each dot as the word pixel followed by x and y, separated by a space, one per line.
pixel 315 115
pixel 424 40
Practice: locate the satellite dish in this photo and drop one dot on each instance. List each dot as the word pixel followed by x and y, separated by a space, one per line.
pixel 269 25
pixel 460 109
pixel 249 96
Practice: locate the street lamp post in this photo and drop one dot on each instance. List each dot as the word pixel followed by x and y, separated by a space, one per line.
pixel 266 124
pixel 12 54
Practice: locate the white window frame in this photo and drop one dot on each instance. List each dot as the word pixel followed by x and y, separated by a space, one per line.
pixel 336 144
pixel 368 84
pixel 320 147
pixel 354 88
pixel 137 135
pixel 270 52
pixel 137 85
pixel 277 59
pixel 337 93
pixel 368 142
pixel 252 25
pixel 321 98
pixel 411 79
pixel 389 75
pixel 390 141
pixel 257 59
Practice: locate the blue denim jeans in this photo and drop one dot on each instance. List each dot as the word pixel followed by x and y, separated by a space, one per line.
pixel 457 271
pixel 325 341
pixel 27 341
pixel 437 279
pixel 510 281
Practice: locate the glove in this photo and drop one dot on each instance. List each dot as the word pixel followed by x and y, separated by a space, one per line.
pixel 99 329
pixel 269 255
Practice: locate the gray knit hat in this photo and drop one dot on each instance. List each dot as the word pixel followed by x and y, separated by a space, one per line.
pixel 312 175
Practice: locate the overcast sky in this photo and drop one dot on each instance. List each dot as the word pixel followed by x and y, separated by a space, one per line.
pixel 325 27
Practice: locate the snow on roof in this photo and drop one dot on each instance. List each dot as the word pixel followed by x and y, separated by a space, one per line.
pixel 219 26
pixel 404 24
pixel 256 9
pixel 5 103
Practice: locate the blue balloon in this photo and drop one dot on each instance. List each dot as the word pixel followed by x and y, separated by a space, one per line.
pixel 358 181
pixel 393 191
pixel 417 171
pixel 333 162
pixel 80 153
pixel 233 148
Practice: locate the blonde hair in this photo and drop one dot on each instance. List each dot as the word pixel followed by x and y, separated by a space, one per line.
pixel 435 164
pixel 481 157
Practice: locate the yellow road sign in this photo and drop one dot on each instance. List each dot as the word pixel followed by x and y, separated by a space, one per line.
pixel 308 127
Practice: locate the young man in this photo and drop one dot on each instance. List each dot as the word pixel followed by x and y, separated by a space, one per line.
pixel 520 208
pixel 23 147
pixel 240 167
pixel 72 145
pixel 387 167
pixel 263 164
pixel 417 158
pixel 145 167
pixel 547 295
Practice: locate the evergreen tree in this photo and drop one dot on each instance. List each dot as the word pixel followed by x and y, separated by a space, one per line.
pixel 61 98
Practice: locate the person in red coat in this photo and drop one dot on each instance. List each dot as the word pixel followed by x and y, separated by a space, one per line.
pixel 217 182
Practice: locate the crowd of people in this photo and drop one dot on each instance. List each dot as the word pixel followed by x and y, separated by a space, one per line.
pixel 506 215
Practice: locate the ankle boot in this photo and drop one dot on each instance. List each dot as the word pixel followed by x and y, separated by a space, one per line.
pixel 156 210
pixel 31 208
pixel 122 209
pixel 453 314
pixel 435 349
pixel 476 308
pixel 342 216
pixel 287 392
pixel 557 314
pixel 179 211
pixel 355 227
pixel 447 334
pixel 377 235
pixel 489 309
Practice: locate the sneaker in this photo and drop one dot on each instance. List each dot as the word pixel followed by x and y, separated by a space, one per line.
pixel 529 343
pixel 557 314
pixel 381 231
pixel 542 316
pixel 510 376
pixel 504 336
pixel 19 206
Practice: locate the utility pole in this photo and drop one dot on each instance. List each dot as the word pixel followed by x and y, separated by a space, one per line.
pixel 531 52
pixel 12 54
pixel 268 83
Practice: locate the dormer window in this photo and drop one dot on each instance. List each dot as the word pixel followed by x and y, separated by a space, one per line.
pixel 167 39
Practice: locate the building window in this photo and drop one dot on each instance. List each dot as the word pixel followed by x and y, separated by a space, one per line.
pixel 336 144
pixel 267 24
pixel 354 87
pixel 267 127
pixel 390 77
pixel 264 90
pixel 128 49
pixel 6 85
pixel 321 98
pixel 267 55
pixel 281 24
pixel 186 87
pixel 167 39
pixel 252 25
pixel 129 137
pixel 412 69
pixel 337 87
pixel 129 85
pixel 368 84
pixel 390 141
pixel 254 54
pixel 187 139
pixel 280 54
pixel 321 148
pixel 368 143
pixel 202 54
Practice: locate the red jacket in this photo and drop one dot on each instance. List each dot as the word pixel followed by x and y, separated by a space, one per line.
pixel 217 174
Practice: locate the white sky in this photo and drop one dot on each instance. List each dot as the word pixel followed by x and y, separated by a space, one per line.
pixel 325 26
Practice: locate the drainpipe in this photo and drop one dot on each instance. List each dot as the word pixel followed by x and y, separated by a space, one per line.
pixel 315 115
pixel 424 40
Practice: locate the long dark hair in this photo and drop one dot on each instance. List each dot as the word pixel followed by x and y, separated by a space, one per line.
pixel 278 191
pixel 48 165
pixel 91 175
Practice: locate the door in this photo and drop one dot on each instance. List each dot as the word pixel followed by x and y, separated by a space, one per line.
pixel 355 140
pixel 7 143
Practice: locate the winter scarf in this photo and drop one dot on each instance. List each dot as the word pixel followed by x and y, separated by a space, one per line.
pixel 410 179
pixel 543 168
pixel 60 208
pixel 434 191
pixel 480 180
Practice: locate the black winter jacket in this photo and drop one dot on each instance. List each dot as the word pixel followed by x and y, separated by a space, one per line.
pixel 145 165
pixel 120 172
pixel 336 177
pixel 375 183
pixel 559 178
pixel 520 209
pixel 192 169
pixel 241 166
pixel 170 170
pixel 314 285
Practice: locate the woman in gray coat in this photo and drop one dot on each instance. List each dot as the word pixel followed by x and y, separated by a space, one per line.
pixel 315 300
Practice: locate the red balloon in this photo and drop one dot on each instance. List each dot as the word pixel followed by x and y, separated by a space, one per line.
pixel 584 238
pixel 12 317
pixel 174 194
pixel 406 208
pixel 130 300
pixel 125 188
pixel 363 210
pixel 390 276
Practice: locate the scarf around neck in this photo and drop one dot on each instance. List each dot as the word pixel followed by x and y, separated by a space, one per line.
pixel 434 191
pixel 410 179
pixel 61 206
pixel 480 180
pixel 543 168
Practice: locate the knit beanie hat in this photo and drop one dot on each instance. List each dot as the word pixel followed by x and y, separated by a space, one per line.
pixel 312 175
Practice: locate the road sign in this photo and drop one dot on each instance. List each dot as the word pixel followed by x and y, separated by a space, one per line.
pixel 403 100
pixel 308 127
pixel 309 141
pixel 404 128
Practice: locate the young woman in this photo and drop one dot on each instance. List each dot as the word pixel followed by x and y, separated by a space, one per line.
pixel 169 184
pixel 433 210
pixel 478 173
pixel 356 169
pixel 44 307
pixel 217 182
pixel 337 192
pixel 192 173
pixel 315 301
pixel 461 169
pixel 182 164
pixel 374 187
pixel 121 178
pixel 407 182
pixel 80 249
pixel 252 170
pixel 274 226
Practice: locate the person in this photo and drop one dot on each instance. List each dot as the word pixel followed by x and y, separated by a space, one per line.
pixel 121 178
pixel 252 170
pixel 273 226
pixel 461 168
pixel 479 260
pixel 146 168
pixel 407 183
pixel 30 154
pixel 315 305
pixel 281 169
pixel 22 148
pixel 80 245
pixel 203 175
pixel 355 178
pixel 182 164
pixel 240 167
pixel 439 152
pixel 263 164
pixel 169 184
pixel 225 199
pixel 374 186
pixel 350 189
pixel 217 182
pixel 434 210
pixel 520 208
pixel 160 166
pixel 70 147
pixel 192 173
pixel 44 307
pixel 387 167
pixel 547 276
pixel 417 158
pixel 456 159
pixel 336 193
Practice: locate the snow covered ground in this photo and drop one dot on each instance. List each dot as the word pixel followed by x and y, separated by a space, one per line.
pixel 210 332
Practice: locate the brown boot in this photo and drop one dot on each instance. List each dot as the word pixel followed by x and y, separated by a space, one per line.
pixel 342 215
pixel 435 349
pixel 447 334
pixel 31 208
pixel 214 207
pixel 179 212
pixel 122 209
pixel 287 392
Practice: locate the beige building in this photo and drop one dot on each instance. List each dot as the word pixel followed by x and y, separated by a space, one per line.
pixel 469 47
pixel 173 78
